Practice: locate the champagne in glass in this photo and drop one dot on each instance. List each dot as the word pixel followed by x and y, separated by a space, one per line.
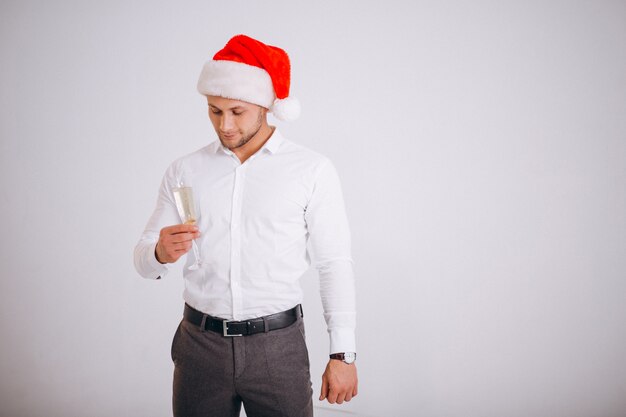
pixel 183 195
pixel 185 204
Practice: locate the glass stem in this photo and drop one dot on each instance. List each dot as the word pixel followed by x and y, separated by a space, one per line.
pixel 196 252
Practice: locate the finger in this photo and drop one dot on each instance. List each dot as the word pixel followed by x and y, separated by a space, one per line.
pixel 183 248
pixel 324 390
pixel 180 238
pixel 341 398
pixel 173 252
pixel 348 396
pixel 332 395
pixel 179 244
pixel 180 228
pixel 191 232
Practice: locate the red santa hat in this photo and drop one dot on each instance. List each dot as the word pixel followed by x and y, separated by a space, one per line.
pixel 249 70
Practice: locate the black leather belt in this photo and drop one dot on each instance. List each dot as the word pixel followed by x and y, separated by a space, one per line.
pixel 244 327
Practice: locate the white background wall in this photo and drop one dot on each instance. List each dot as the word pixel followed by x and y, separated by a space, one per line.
pixel 482 151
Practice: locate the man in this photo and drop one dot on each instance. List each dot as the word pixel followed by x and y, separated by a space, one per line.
pixel 261 198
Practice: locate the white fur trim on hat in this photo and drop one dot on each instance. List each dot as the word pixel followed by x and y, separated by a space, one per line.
pixel 237 81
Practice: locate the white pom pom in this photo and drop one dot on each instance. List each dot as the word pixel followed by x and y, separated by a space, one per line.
pixel 286 109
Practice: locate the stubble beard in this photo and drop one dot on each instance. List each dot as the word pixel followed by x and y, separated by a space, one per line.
pixel 247 137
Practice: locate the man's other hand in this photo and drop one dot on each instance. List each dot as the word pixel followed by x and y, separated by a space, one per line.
pixel 175 241
pixel 339 382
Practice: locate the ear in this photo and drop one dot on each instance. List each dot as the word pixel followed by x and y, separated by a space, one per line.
pixel 263 113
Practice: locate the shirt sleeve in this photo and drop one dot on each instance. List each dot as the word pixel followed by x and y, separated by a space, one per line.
pixel 330 247
pixel 165 214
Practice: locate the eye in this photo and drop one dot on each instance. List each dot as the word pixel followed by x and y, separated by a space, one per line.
pixel 237 113
pixel 216 111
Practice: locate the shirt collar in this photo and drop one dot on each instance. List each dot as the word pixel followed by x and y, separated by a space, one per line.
pixel 274 142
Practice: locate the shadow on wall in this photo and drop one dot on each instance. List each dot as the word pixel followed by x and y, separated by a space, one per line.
pixel 330 412
pixel 326 411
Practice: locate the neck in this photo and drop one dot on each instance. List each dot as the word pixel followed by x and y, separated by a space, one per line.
pixel 258 140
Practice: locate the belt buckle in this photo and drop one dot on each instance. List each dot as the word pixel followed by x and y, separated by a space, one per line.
pixel 225 330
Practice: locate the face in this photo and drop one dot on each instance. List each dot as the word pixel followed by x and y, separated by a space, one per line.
pixel 235 122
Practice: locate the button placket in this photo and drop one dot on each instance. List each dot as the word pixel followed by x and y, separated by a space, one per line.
pixel 235 233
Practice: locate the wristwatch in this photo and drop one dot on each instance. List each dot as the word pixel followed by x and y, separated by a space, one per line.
pixel 346 357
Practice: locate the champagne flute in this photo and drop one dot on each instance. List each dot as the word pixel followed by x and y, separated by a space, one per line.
pixel 183 195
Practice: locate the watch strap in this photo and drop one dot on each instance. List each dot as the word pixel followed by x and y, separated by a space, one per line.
pixel 342 357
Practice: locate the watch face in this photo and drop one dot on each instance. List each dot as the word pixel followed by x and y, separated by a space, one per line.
pixel 349 357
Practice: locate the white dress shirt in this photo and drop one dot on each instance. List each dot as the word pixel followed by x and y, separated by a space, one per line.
pixel 255 220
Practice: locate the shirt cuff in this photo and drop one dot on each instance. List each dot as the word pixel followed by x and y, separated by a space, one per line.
pixel 342 340
pixel 160 270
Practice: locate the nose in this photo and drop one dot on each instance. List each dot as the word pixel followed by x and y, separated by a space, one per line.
pixel 226 123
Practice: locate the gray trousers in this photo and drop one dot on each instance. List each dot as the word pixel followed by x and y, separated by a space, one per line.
pixel 267 372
